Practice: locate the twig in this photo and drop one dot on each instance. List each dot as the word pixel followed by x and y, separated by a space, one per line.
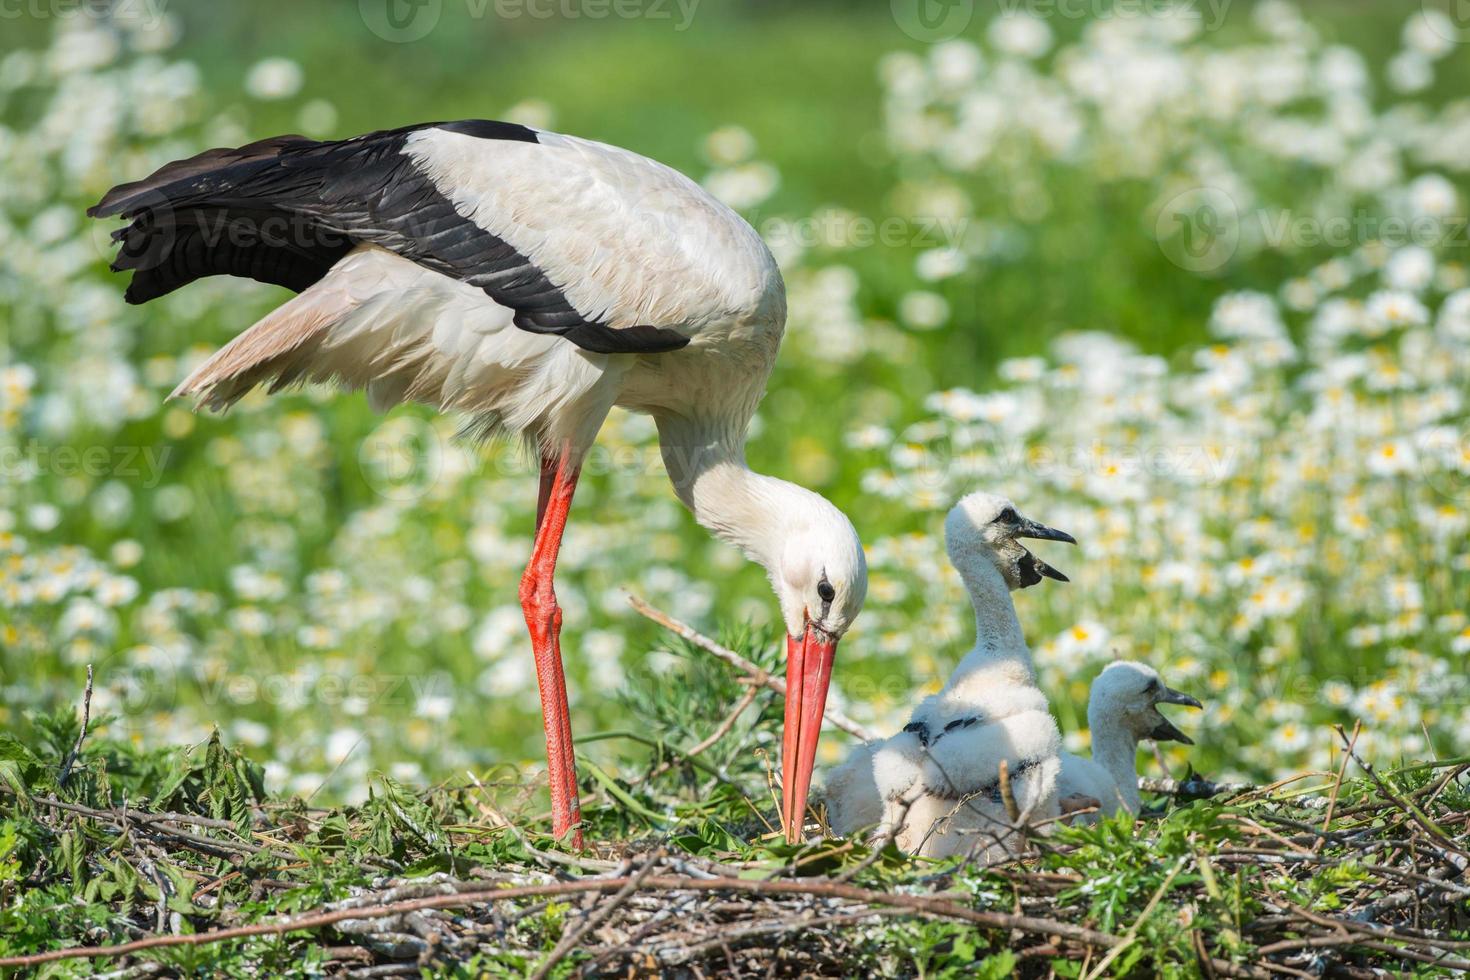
pixel 1191 787
pixel 1337 787
pixel 1367 929
pixel 757 674
pixel 1007 794
pixel 1364 940
pixel 155 822
pixel 76 748
pixel 915 904
pixel 721 730
pixel 683 954
pixel 573 936
pixel 1413 812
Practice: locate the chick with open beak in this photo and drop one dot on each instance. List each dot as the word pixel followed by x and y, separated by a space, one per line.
pixel 994 527
pixel 1122 711
pixel 936 785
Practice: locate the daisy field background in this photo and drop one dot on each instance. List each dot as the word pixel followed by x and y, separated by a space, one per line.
pixel 1186 280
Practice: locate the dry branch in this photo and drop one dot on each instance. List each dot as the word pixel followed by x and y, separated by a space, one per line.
pixel 756 674
pixel 76 749
pixel 927 905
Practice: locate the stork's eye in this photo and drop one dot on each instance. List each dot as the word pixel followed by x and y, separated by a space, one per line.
pixel 1008 516
pixel 826 591
pixel 1153 686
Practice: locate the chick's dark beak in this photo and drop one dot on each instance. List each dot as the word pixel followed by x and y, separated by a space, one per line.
pixel 1031 529
pixel 1171 696
pixel 1034 569
pixel 1165 731
pixel 1039 568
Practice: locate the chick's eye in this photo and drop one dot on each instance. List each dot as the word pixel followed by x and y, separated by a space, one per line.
pixel 826 591
pixel 1008 516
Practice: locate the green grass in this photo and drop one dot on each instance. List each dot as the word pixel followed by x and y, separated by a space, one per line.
pixel 83 864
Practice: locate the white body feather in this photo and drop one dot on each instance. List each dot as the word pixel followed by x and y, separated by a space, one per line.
pixel 405 332
pixel 1084 777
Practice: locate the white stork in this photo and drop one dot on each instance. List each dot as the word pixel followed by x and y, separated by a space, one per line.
pixel 936 784
pixel 1122 710
pixel 531 281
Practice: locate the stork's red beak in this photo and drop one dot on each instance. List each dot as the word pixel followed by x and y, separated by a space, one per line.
pixel 808 672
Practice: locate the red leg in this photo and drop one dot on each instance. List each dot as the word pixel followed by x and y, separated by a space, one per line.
pixel 543 618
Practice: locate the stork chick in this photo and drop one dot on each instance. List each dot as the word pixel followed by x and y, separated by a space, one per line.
pixel 1122 710
pixel 936 784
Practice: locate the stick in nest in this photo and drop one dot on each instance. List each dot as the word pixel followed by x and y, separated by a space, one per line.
pixel 76 748
pixel 756 674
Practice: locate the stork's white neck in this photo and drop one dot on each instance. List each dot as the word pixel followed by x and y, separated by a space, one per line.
pixel 1000 656
pixel 705 460
pixel 798 536
pixel 1116 750
pixel 998 633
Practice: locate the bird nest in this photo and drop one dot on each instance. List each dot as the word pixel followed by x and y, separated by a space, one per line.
pixel 1315 876
pixel 175 861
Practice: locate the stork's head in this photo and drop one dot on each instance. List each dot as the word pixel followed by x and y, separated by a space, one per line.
pixel 989 527
pixel 1128 694
pixel 821 578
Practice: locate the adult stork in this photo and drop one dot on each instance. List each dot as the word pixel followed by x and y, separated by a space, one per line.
pixel 532 281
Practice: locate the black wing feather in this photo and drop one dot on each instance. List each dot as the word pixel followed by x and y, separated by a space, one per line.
pixel 284 210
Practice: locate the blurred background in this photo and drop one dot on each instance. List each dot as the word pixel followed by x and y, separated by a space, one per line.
pixel 1186 279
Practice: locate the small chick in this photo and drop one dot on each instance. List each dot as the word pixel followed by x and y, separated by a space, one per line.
pixel 1122 710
